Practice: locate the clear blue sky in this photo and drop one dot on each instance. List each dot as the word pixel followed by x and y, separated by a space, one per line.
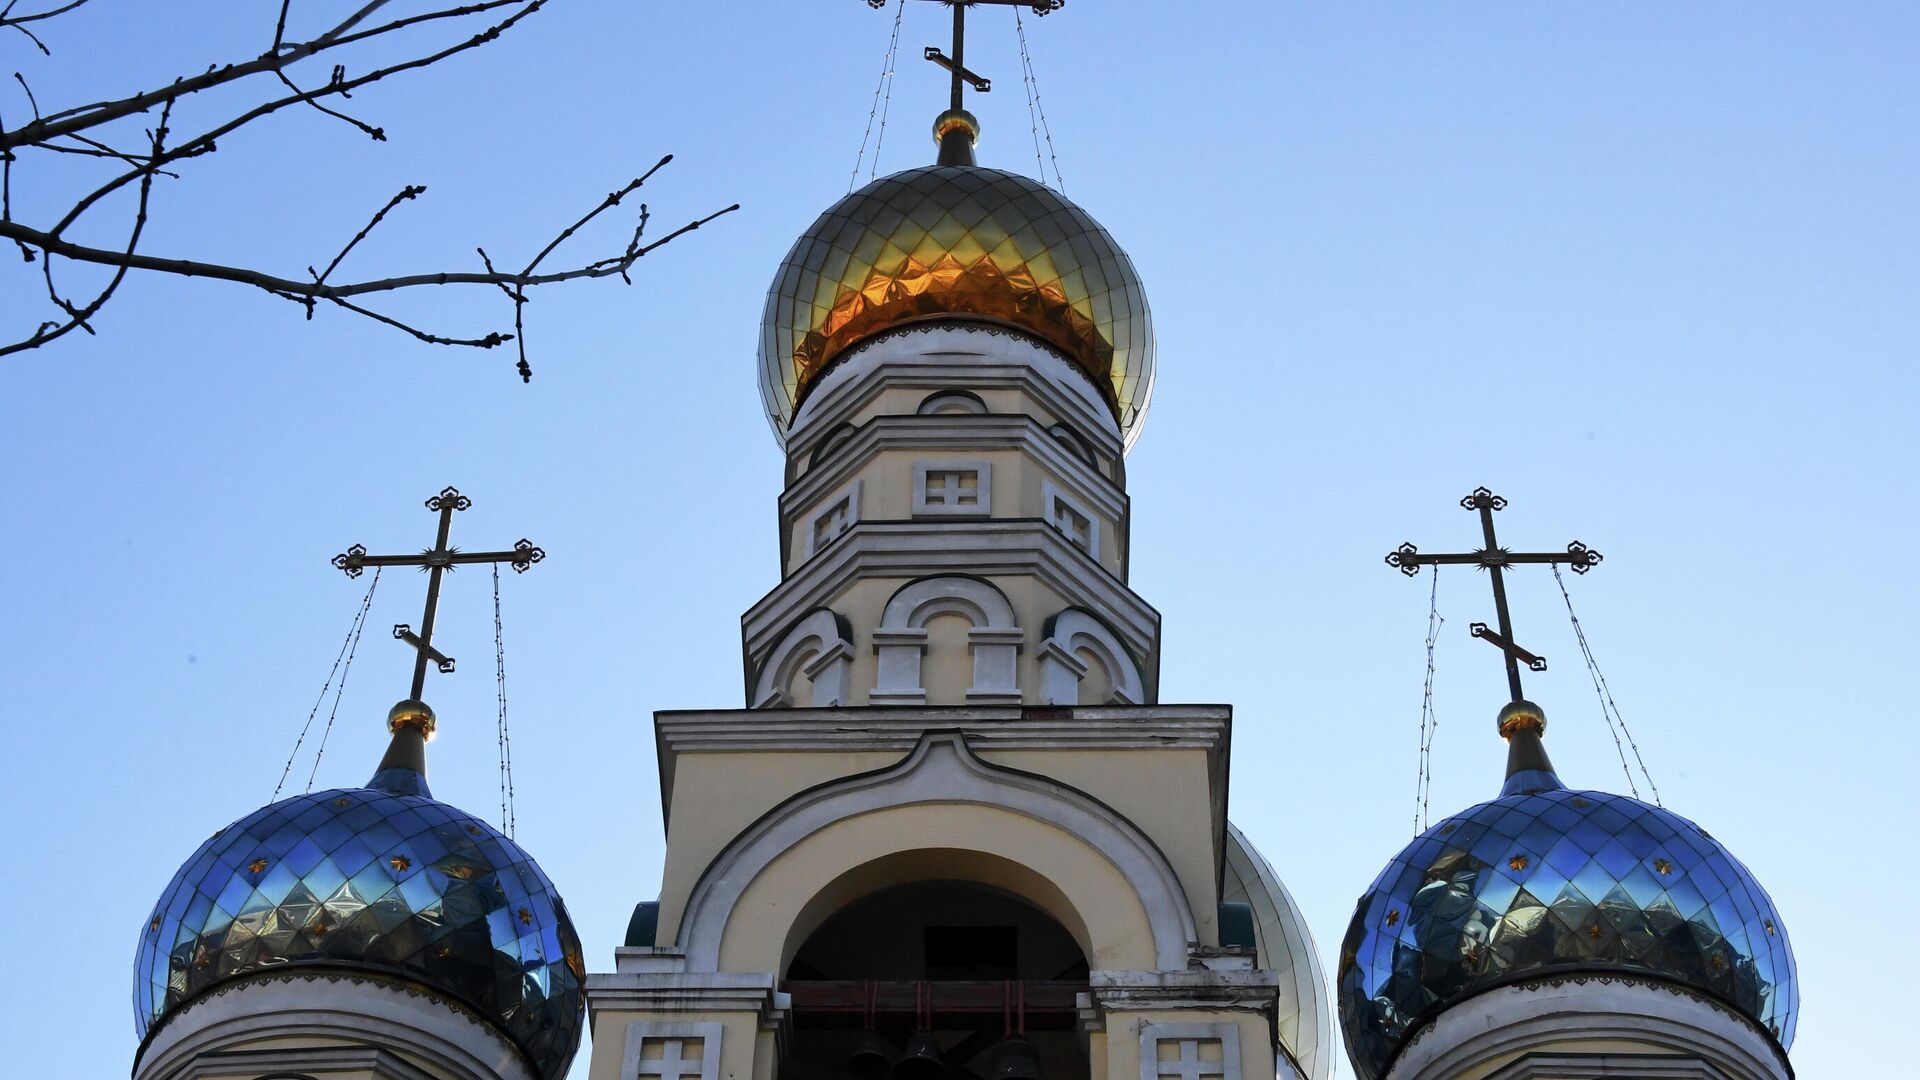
pixel 1648 270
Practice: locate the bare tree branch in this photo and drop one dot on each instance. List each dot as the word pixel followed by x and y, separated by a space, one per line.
pixel 86 116
pixel 70 132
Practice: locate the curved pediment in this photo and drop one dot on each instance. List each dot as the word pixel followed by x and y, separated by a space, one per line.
pixel 1092 869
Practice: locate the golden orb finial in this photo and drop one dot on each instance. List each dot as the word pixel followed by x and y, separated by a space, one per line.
pixel 956 130
pixel 956 120
pixel 1521 716
pixel 412 714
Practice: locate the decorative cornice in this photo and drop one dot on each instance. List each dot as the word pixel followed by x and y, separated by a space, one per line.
pixel 1537 983
pixel 1143 991
pixel 982 548
pixel 839 393
pixel 969 434
pixel 898 729
pixel 664 993
pixel 333 974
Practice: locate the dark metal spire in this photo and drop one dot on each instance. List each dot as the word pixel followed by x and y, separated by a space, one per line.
pixel 404 768
pixel 956 130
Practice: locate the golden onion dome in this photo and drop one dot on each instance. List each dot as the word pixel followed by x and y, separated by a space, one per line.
pixel 957 242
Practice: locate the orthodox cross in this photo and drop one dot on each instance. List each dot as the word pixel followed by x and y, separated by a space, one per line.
pixel 435 561
pixel 957 63
pixel 1494 559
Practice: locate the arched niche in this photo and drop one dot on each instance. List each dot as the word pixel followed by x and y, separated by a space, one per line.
pixel 1057 848
pixel 953 403
pixel 993 639
pixel 816 647
pixel 1074 641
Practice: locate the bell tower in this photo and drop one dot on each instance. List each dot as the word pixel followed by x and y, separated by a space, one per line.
pixel 954 830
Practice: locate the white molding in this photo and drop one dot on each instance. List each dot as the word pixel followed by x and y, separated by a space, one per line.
pixel 1536 1016
pixel 1179 988
pixel 901 640
pixel 330 1005
pixel 674 1034
pixel 1608 1066
pixel 997 547
pixel 300 1061
pixel 941 770
pixel 952 356
pixel 1152 1034
pixel 848 495
pixel 755 992
pixel 1061 670
pixel 814 645
pixel 982 471
pixel 970 436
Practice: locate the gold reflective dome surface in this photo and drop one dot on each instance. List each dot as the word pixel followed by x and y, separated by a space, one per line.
pixel 957 242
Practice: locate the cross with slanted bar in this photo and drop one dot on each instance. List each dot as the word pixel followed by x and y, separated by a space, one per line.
pixel 1494 559
pixel 436 561
pixel 957 63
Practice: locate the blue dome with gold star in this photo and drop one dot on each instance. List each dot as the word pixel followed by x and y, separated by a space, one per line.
pixel 380 880
pixel 1546 880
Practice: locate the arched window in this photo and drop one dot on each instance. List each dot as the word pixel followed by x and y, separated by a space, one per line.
pixel 1075 443
pixel 953 403
pixel 832 441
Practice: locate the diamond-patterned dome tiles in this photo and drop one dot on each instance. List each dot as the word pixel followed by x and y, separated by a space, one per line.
pixel 958 242
pixel 1557 880
pixel 372 880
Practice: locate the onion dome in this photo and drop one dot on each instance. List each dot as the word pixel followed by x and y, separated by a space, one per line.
pixel 1303 1024
pixel 380 880
pixel 957 241
pixel 1546 880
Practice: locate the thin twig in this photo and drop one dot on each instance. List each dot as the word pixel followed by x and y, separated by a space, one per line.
pixel 79 316
pixel 206 142
pixel 87 116
pixel 411 191
pixel 377 134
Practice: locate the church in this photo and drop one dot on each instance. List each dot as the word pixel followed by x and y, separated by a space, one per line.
pixel 950 830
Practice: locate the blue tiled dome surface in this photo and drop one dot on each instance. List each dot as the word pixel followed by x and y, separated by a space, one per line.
pixel 372 880
pixel 1557 880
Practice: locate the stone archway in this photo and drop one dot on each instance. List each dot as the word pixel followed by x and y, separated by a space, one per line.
pixel 1056 847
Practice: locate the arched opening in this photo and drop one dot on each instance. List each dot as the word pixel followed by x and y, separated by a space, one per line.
pixel 1096 686
pixel 967 963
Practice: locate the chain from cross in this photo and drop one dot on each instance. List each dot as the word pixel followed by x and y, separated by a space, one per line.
pixel 1494 559
pixel 436 560
pixel 956 64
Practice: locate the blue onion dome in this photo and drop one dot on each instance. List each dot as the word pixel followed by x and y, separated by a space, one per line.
pixel 380 880
pixel 1546 880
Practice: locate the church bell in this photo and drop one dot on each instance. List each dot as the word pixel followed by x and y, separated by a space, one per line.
pixel 1014 1059
pixel 871 1059
pixel 922 1061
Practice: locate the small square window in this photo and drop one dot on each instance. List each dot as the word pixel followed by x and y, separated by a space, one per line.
pixel 952 488
pixel 836 517
pixel 1081 529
